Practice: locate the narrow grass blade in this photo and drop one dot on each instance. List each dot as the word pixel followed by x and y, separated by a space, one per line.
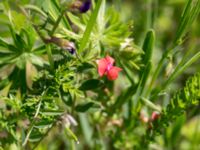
pixel 89 27
pixel 148 46
pixel 190 13
pixel 87 130
pixel 181 68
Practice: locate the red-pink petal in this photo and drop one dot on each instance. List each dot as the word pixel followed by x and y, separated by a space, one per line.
pixel 155 115
pixel 112 74
pixel 110 60
pixel 102 66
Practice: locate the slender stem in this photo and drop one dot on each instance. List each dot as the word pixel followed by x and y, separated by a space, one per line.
pixel 71 134
pixel 31 127
pixel 149 14
pixel 78 57
pixel 27 135
pixel 45 135
pixel 157 71
pixel 49 53
pixel 39 34
pixel 72 145
pixel 180 68
pixel 38 109
pixel 57 22
pixel 150 104
pixel 126 71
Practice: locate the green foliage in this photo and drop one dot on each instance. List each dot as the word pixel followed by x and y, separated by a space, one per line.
pixel 189 14
pixel 182 100
pixel 52 97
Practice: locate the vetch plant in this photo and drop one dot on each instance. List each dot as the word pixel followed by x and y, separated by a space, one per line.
pixel 97 74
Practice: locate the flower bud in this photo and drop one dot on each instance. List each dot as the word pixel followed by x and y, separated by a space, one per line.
pixel 155 115
pixel 64 44
pixel 68 120
pixel 81 5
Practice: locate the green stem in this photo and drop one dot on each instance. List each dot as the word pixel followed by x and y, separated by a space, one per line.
pixel 45 135
pixel 31 127
pixel 57 22
pixel 27 135
pixel 49 53
pixel 148 14
pixel 126 71
pixel 151 105
pixel 69 131
pixel 180 68
pixel 157 71
pixel 72 145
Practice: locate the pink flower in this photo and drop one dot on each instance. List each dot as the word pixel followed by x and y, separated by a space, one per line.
pixel 105 67
pixel 155 115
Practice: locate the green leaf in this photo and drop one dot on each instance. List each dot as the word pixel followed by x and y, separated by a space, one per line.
pixel 130 54
pixel 52 8
pixel 91 84
pixel 145 75
pixel 3 43
pixel 52 112
pixel 148 46
pixel 35 8
pixel 40 50
pixel 18 20
pixel 76 20
pixel 35 136
pixel 4 83
pixel 43 124
pixel 36 60
pixel 85 67
pixel 180 102
pixel 20 43
pixel 66 98
pixel 29 35
pixel 190 13
pixel 4 20
pixel 89 27
pixel 84 107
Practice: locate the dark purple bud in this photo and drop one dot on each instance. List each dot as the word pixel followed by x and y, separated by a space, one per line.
pixel 64 44
pixel 81 6
pixel 69 46
pixel 85 6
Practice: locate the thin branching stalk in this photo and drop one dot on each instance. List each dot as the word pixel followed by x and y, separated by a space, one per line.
pixel 31 127
pixel 57 22
pixel 45 135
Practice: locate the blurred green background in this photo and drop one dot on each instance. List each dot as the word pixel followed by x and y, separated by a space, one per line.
pixel 163 16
